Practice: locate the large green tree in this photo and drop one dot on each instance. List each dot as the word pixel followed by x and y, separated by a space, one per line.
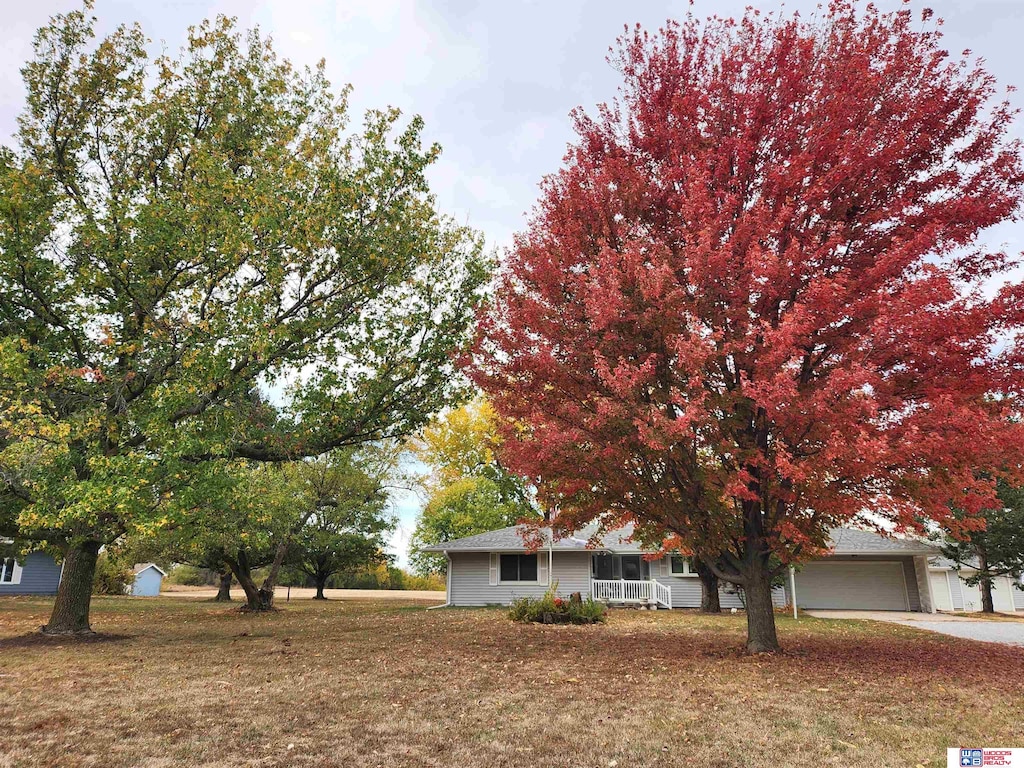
pixel 997 549
pixel 200 264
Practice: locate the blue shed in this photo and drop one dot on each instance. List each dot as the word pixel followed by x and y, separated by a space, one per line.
pixel 36 574
pixel 147 580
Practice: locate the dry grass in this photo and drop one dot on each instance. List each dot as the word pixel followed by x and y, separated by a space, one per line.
pixel 978 616
pixel 182 682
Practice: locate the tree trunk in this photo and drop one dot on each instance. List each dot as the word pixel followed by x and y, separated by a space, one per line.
pixel 320 584
pixel 709 598
pixel 761 636
pixel 987 604
pixel 224 591
pixel 257 598
pixel 70 614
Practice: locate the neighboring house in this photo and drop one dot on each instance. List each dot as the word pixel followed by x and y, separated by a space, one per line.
pixel 865 571
pixel 148 577
pixel 952 593
pixel 36 574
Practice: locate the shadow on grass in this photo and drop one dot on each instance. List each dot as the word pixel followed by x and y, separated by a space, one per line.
pixel 39 640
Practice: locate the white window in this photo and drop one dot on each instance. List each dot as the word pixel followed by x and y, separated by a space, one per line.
pixel 10 571
pixel 683 566
pixel 515 568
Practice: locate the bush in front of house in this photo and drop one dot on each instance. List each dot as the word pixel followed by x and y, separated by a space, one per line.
pixel 552 609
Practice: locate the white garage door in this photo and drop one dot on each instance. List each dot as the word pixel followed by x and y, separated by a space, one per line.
pixel 940 591
pixel 867 586
pixel 1002 597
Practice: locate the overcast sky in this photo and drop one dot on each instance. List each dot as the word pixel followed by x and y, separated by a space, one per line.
pixel 494 81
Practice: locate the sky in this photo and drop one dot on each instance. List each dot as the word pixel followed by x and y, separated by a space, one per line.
pixel 494 81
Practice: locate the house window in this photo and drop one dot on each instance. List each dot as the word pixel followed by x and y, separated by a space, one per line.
pixel 7 570
pixel 603 566
pixel 682 566
pixel 519 567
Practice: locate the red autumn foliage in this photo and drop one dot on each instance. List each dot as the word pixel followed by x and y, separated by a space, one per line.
pixel 749 306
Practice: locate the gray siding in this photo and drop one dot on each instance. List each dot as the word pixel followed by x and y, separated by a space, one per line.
pixel 686 590
pixel 913 588
pixel 470 579
pixel 1018 598
pixel 40 575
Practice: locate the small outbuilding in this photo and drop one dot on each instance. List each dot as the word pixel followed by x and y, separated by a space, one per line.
pixel 148 577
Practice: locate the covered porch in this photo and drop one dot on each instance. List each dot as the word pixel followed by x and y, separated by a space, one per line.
pixel 625 579
pixel 650 593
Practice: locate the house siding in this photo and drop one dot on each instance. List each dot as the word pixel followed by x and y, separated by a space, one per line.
pixel 686 590
pixel 1018 598
pixel 470 579
pixel 913 587
pixel 40 575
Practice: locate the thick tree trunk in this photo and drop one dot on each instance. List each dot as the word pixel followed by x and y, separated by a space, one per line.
pixel 320 584
pixel 70 614
pixel 761 636
pixel 987 604
pixel 709 598
pixel 257 598
pixel 224 591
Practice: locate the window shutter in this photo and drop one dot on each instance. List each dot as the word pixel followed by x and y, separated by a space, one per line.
pixel 542 567
pixel 666 565
pixel 493 571
pixel 17 573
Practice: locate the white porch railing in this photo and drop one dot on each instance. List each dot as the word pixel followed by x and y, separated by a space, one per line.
pixel 662 593
pixel 628 591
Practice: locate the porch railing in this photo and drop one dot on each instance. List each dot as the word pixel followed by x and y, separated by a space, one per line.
pixel 662 593
pixel 630 591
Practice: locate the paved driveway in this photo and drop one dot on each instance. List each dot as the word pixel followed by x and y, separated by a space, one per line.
pixel 1006 631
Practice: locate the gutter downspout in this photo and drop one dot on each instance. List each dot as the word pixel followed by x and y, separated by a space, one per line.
pixel 447 585
pixel 792 590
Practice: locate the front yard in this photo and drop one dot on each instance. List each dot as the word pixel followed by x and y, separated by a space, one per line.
pixel 390 684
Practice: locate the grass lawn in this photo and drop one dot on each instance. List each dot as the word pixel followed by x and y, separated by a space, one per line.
pixel 186 682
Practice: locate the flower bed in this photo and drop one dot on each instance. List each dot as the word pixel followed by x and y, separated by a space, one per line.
pixel 551 609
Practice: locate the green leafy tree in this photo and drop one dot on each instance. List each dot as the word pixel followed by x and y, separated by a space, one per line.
pixel 997 550
pixel 468 490
pixel 348 496
pixel 180 236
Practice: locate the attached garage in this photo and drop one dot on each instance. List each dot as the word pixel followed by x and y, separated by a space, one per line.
pixel 861 585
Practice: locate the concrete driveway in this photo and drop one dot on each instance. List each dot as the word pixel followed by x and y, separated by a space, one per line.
pixel 1006 631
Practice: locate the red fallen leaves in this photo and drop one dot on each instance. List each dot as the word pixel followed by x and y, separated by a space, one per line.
pixel 750 305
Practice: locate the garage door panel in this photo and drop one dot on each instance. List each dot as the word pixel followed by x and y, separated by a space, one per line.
pixel 1002 596
pixel 874 586
pixel 940 591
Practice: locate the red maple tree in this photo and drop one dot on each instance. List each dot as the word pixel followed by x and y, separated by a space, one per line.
pixel 752 306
